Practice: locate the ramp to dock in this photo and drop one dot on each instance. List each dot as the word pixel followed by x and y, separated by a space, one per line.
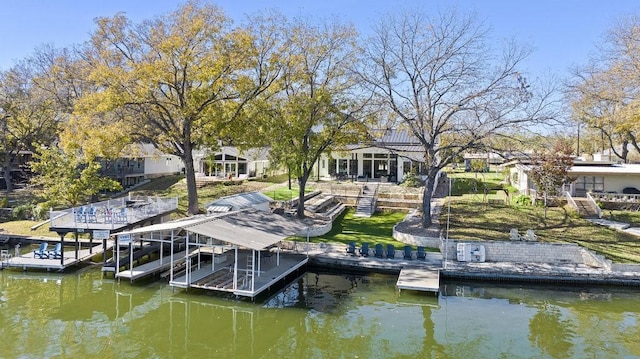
pixel 421 279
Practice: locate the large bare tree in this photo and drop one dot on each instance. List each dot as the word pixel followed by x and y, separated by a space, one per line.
pixel 605 93
pixel 444 82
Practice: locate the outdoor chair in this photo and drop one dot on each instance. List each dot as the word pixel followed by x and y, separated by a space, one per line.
pixel 81 215
pixel 56 253
pixel 530 236
pixel 391 251
pixel 421 255
pixel 351 248
pixel 514 235
pixel 408 253
pixel 364 250
pixel 91 215
pixel 379 251
pixel 41 252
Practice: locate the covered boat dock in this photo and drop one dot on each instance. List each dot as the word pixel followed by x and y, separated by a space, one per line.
pixel 236 252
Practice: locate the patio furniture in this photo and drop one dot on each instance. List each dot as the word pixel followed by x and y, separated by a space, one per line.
pixel 351 248
pixel 421 255
pixel 514 235
pixel 56 253
pixel 364 250
pixel 530 236
pixel 391 251
pixel 379 251
pixel 408 253
pixel 41 252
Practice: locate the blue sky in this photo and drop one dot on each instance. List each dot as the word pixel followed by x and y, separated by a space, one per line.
pixel 561 32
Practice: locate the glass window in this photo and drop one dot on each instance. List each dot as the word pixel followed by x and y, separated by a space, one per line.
pixel 380 155
pixel 367 155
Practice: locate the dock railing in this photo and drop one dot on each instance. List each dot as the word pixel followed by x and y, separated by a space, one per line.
pixel 112 213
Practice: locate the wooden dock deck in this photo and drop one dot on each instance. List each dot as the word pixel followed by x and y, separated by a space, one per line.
pixel 151 268
pixel 421 279
pixel 27 261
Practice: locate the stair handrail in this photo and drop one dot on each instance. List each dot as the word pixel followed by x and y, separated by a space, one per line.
pixel 594 205
pixel 374 199
pixel 570 200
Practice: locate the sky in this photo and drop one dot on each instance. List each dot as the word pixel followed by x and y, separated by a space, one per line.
pixel 562 33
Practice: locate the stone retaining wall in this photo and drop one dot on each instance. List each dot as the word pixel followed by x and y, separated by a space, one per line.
pixel 531 252
pixel 625 267
pixel 518 252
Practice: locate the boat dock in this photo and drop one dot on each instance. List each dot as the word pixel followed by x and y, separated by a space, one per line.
pixel 151 268
pixel 420 279
pixel 27 261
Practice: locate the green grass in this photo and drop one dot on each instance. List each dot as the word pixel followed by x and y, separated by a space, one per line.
pixel 471 219
pixel 286 194
pixel 376 229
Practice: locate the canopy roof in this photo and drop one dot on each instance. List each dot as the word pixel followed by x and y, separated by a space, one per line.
pixel 250 228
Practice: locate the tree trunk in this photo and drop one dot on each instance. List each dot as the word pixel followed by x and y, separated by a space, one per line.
pixel 302 183
pixel 426 201
pixel 190 176
pixel 6 172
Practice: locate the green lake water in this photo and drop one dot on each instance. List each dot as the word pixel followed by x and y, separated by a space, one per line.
pixel 320 315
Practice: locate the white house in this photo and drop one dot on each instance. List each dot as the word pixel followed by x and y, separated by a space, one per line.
pixel 388 158
pixel 230 161
pixel 595 177
pixel 141 161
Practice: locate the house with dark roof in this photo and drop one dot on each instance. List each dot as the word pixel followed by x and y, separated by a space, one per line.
pixel 387 157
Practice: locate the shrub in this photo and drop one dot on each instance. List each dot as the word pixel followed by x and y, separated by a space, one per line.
pixel 522 200
pixel 22 212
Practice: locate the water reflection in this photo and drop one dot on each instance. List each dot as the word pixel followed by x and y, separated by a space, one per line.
pixel 319 315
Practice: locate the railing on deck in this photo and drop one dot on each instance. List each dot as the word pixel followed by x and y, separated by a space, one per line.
pixel 594 205
pixel 113 213
pixel 615 197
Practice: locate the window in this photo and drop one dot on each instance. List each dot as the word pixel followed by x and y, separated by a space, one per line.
pixel 367 155
pixel 590 183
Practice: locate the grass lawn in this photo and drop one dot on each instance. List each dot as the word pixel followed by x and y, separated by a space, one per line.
pixel 286 194
pixel 376 229
pixel 471 219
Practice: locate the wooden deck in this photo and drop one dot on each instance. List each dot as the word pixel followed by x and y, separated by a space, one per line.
pixel 151 268
pixel 421 279
pixel 220 277
pixel 27 261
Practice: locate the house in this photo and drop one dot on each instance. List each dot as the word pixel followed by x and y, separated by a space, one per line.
pixel 387 158
pixel 142 161
pixel 590 177
pixel 229 161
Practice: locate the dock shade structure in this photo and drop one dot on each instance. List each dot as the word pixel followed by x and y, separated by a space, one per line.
pixel 236 252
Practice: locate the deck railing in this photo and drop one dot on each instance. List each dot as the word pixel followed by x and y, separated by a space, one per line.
pixel 615 197
pixel 112 213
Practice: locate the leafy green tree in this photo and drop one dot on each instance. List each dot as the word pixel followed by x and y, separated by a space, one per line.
pixel 315 105
pixel 178 81
pixel 28 117
pixel 64 180
pixel 443 82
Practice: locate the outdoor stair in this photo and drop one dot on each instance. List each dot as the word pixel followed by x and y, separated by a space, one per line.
pixel 584 208
pixel 366 202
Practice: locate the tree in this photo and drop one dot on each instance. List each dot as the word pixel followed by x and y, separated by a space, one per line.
pixel 178 81
pixel 63 179
pixel 550 170
pixel 315 105
pixel 604 94
pixel 445 84
pixel 29 117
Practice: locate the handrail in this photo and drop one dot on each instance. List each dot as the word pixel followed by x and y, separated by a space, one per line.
pixel 570 200
pixel 594 205
pixel 374 199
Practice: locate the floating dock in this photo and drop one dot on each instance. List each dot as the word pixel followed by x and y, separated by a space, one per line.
pixel 151 268
pixel 421 279
pixel 27 261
